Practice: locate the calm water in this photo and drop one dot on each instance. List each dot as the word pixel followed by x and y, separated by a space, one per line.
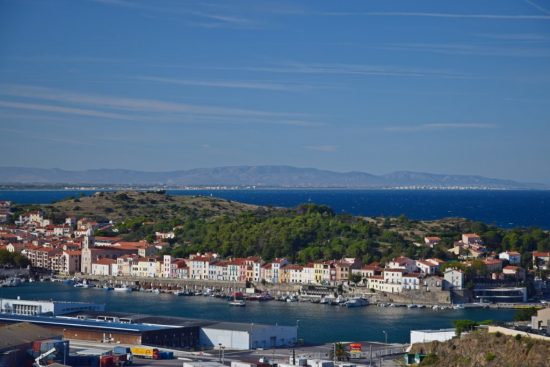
pixel 503 208
pixel 318 323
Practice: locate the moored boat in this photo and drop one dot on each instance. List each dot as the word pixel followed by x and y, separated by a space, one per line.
pixel 356 302
pixel 123 288
pixel 237 302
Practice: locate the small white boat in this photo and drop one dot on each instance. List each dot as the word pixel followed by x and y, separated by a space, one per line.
pixel 123 288
pixel 156 291
pixel 237 302
pixel 356 302
pixel 292 298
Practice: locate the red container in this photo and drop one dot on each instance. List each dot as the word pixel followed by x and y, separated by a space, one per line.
pixel 36 345
pixel 106 361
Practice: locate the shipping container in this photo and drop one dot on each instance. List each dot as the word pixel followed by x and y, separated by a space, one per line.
pixel 145 352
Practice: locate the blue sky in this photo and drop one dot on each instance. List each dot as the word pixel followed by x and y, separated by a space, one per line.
pixel 458 87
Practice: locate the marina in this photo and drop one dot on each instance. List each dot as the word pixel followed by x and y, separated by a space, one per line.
pixel 317 323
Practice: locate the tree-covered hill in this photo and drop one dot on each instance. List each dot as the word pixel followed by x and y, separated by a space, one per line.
pixel 307 232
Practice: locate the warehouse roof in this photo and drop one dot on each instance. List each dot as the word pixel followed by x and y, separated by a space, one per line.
pixel 23 333
pixel 91 324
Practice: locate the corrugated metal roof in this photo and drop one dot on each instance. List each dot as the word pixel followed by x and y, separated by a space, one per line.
pixel 92 324
pixel 23 333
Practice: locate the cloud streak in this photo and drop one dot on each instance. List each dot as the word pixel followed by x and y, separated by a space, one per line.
pixel 61 109
pixel 351 69
pixel 322 148
pixel 538 7
pixel 466 49
pixel 121 108
pixel 443 15
pixel 207 19
pixel 439 126
pixel 256 85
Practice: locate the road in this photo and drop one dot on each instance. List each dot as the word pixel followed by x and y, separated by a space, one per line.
pixel 272 355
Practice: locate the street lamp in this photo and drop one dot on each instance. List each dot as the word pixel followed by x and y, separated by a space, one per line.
pixel 220 353
pixel 386 340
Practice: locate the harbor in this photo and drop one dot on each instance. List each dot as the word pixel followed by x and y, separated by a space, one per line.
pixel 316 323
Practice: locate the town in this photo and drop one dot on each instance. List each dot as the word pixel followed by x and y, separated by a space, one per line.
pixel 474 275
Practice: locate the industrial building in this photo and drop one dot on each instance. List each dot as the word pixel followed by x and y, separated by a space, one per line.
pixel 244 336
pixel 17 339
pixel 162 331
pixel 181 337
pixel 53 308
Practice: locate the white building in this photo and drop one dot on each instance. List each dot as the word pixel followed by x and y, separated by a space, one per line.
pixel 25 307
pixel 243 336
pixel 453 279
pixel 411 281
pixel 403 262
pixel 426 336
pixel 471 239
pixel 168 267
pixel 103 266
pixel 513 257
pixel 146 268
pixel 426 267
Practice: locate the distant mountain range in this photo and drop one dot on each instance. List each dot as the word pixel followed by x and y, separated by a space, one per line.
pixel 260 176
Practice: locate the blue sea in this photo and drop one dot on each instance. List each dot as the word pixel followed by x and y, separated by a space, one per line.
pixel 502 208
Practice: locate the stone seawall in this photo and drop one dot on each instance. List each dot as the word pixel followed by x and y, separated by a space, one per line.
pixel 418 297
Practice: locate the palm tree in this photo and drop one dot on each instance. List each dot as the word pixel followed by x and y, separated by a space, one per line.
pixel 340 351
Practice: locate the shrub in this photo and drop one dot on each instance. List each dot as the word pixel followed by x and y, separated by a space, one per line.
pixel 489 356
pixel 518 337
pixel 524 314
pixel 429 360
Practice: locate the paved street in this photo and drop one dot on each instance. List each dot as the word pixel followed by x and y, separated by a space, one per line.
pixel 275 355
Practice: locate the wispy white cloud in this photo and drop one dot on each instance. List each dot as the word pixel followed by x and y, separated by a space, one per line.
pixel 61 109
pixel 469 49
pixel 350 69
pixel 209 18
pixel 259 85
pixel 439 126
pixel 538 7
pixel 42 137
pixel 138 109
pixel 443 15
pixel 322 148
pixel 530 37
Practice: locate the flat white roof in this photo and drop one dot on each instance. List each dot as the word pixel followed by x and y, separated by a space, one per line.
pixel 433 331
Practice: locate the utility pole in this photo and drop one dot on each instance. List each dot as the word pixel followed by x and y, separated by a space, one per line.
pixel 370 358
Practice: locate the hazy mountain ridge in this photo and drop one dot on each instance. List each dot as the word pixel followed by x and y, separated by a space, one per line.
pixel 261 176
